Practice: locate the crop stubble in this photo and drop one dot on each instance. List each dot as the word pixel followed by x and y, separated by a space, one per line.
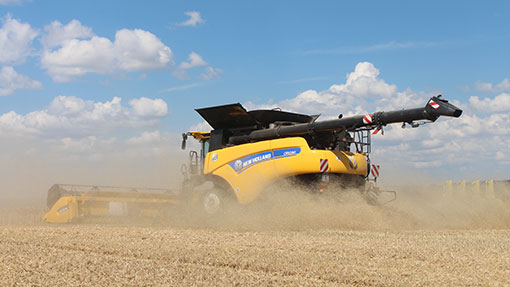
pixel 109 255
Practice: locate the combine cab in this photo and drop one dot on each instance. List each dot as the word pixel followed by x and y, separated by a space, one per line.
pixel 249 150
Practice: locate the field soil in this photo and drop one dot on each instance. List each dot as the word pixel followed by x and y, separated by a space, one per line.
pixel 303 242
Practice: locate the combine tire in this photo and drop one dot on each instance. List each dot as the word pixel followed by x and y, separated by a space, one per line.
pixel 214 202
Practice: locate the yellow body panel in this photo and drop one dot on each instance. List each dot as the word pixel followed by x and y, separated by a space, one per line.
pixel 99 203
pixel 63 211
pixel 248 168
pixel 200 135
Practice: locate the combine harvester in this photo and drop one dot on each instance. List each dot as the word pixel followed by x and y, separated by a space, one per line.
pixel 489 189
pixel 247 151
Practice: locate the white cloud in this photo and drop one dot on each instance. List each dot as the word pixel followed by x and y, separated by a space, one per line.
pixel 490 88
pixel 57 34
pixel 140 50
pixel 132 50
pixel 194 19
pixel 10 81
pixel 15 41
pixel 362 89
pixel 203 126
pixel 500 103
pixel 145 138
pixel 74 117
pixel 144 107
pixel 211 73
pixel 194 60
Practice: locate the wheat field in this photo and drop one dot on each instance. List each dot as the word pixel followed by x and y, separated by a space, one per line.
pixel 354 245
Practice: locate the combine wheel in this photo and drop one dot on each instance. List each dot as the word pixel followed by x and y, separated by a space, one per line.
pixel 210 201
pixel 213 202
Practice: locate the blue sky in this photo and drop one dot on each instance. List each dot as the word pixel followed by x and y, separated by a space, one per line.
pixel 264 53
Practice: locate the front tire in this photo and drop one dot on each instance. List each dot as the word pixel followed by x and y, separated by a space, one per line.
pixel 212 202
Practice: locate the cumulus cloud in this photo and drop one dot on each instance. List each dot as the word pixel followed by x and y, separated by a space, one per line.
pixel 500 103
pixel 72 116
pixel 10 81
pixel 15 40
pixel 490 88
pixel 56 34
pixel 362 89
pixel 144 107
pixel 132 50
pixel 203 126
pixel 196 61
pixel 211 73
pixel 194 19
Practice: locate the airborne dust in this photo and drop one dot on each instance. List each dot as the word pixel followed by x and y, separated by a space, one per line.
pixel 293 208
pixel 26 179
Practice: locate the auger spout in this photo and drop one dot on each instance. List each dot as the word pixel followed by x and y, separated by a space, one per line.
pixel 435 107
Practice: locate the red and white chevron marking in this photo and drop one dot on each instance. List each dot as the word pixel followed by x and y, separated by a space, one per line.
pixel 433 104
pixel 367 119
pixel 375 170
pixel 324 165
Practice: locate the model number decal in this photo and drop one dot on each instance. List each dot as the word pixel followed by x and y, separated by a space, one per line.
pixel 244 163
pixel 63 209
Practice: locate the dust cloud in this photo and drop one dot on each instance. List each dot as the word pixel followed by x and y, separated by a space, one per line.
pixel 292 208
pixel 28 169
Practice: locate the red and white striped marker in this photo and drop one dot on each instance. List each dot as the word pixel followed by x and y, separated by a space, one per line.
pixel 375 170
pixel 367 119
pixel 433 104
pixel 324 165
pixel 377 130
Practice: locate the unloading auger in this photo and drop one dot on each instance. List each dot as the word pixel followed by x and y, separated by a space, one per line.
pixel 248 151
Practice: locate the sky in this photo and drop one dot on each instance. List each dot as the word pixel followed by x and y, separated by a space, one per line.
pixel 84 85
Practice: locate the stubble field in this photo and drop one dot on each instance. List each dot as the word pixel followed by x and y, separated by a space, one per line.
pixel 301 243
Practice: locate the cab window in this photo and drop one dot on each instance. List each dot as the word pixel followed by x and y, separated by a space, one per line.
pixel 205 147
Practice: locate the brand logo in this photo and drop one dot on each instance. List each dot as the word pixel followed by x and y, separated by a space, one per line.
pixel 238 165
pixel 214 157
pixel 353 163
pixel 63 209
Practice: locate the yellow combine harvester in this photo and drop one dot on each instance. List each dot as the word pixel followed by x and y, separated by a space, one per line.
pixel 490 189
pixel 249 150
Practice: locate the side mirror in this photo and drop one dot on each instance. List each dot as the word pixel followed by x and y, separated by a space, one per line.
pixel 184 138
